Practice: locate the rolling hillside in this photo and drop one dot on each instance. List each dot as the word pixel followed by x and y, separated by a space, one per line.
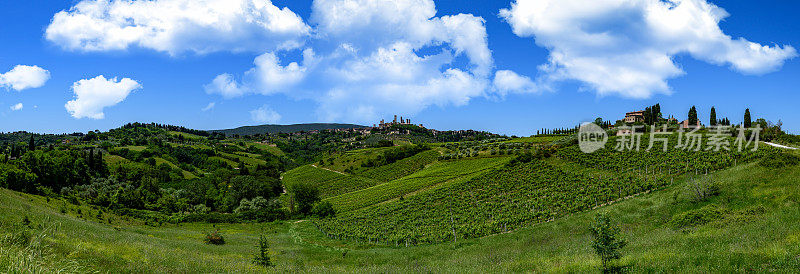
pixel 752 200
pixel 263 129
pixel 506 204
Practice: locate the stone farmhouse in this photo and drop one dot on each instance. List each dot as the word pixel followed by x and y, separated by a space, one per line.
pixel 633 117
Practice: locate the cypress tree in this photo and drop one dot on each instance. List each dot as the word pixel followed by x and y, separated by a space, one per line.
pixel 692 116
pixel 657 111
pixel 32 144
pixel 713 120
pixel 747 121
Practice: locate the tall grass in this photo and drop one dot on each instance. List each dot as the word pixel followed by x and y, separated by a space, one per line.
pixel 25 249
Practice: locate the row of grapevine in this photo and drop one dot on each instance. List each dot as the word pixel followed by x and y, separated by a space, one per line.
pixel 497 201
pixel 435 174
pixel 401 168
pixel 328 183
pixel 672 161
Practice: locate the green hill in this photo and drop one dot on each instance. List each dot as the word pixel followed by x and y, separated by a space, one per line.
pixel 756 228
pixel 263 129
pixel 142 199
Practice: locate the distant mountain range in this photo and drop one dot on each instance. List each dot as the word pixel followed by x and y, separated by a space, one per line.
pixel 262 129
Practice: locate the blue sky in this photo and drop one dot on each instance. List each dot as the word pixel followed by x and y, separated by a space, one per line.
pixel 427 66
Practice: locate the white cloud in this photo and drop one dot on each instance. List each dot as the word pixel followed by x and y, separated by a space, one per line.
pixel 24 77
pixel 176 26
pixel 627 47
pixel 16 107
pixel 210 106
pixel 371 58
pixel 92 95
pixel 265 114
pixel 506 81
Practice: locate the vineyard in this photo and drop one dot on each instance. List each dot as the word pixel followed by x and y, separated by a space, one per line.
pixel 656 160
pixel 435 174
pixel 328 183
pixel 494 146
pixel 350 160
pixel 400 168
pixel 475 196
pixel 497 201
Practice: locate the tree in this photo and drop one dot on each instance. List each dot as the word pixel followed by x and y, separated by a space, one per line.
pixel 747 121
pixel 692 116
pixel 262 257
pixel 323 209
pixel 713 119
pixel 249 187
pixel 304 196
pixel 657 111
pixel 607 240
pixel 31 144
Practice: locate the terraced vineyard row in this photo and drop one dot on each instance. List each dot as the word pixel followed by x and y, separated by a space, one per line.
pixel 499 200
pixel 402 167
pixel 328 183
pixel 435 174
pixel 673 161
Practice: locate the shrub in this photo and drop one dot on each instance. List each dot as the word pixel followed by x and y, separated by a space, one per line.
pixel 259 209
pixel 304 196
pixel 607 240
pixel 780 160
pixel 324 209
pixel 697 217
pixel 214 238
pixel 262 256
pixel 700 189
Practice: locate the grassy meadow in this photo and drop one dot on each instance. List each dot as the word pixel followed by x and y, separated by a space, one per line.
pixel 754 227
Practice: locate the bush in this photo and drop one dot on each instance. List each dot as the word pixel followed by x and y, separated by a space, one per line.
pixel 780 160
pixel 262 257
pixel 697 217
pixel 323 209
pixel 304 196
pixel 700 189
pixel 214 238
pixel 607 240
pixel 259 209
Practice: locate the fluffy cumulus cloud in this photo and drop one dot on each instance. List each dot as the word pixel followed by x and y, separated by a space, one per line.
pixel 370 58
pixel 265 114
pixel 16 107
pixel 506 81
pixel 627 47
pixel 93 95
pixel 24 77
pixel 175 26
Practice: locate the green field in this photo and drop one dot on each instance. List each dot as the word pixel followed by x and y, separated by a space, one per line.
pixel 400 168
pixel 113 158
pixel 245 159
pixel 329 183
pixel 134 148
pixel 753 199
pixel 271 149
pixel 186 174
pixel 470 203
pixel 432 176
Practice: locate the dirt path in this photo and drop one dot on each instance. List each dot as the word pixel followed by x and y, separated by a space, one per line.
pixel 314 165
pixel 780 146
